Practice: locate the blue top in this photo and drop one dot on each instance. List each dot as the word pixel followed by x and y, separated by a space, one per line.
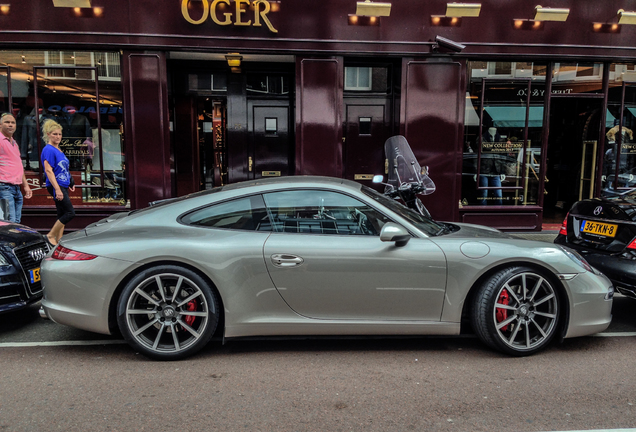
pixel 59 163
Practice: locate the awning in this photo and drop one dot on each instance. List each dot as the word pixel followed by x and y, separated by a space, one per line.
pixel 515 116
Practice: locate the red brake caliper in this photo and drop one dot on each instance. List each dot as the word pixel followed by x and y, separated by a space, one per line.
pixel 192 306
pixel 502 314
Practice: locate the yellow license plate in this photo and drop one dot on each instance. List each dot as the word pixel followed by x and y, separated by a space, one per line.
pixel 599 228
pixel 34 275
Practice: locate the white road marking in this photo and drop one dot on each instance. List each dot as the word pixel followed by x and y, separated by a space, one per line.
pixel 616 334
pixel 60 343
pixel 119 342
pixel 600 430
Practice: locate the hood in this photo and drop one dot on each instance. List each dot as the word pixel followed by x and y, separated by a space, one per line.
pixel 477 231
pixel 18 234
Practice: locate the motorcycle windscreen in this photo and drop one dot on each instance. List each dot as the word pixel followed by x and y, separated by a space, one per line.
pixel 403 166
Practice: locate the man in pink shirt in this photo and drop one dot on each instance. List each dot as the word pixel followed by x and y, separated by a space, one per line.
pixel 11 170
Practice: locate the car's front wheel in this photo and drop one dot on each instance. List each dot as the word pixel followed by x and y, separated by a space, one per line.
pixel 516 311
pixel 168 312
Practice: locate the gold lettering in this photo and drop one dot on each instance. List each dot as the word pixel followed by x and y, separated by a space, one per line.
pixel 240 11
pixel 228 15
pixel 258 14
pixel 186 13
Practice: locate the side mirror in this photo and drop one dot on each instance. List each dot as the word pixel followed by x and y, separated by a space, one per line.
pixel 392 232
pixel 378 178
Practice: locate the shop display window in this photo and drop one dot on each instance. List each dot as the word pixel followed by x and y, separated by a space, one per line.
pixel 502 139
pixel 619 158
pixel 370 79
pixel 571 78
pixel 82 92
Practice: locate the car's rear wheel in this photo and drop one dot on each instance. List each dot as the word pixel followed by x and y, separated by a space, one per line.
pixel 516 311
pixel 168 312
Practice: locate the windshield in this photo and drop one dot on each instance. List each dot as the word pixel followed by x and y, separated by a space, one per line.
pixel 404 167
pixel 429 226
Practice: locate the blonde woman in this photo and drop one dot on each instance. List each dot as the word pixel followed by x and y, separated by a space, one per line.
pixel 58 179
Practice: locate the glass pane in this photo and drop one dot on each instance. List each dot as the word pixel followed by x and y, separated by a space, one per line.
pixel 569 78
pixel 270 84
pixel 67 95
pixel 4 91
pixel 507 175
pixel 619 138
pixel 322 212
pixel 242 214
pixel 369 79
pixel 351 78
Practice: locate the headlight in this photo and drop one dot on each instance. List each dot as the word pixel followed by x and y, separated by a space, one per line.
pixel 578 259
pixel 3 260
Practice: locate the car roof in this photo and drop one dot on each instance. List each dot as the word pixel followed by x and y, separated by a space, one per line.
pixel 262 185
pixel 292 180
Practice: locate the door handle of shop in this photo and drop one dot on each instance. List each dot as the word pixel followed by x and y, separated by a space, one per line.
pixel 286 260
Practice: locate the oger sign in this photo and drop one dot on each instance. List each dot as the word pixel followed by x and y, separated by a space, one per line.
pixel 239 17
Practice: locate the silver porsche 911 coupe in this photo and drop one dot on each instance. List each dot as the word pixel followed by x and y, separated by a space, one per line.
pixel 313 256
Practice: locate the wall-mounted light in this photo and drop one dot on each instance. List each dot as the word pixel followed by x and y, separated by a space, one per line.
pixel 376 9
pixel 551 14
pixel 23 59
pixel 625 17
pixel 524 24
pixel 72 3
pixel 4 9
pixel 606 27
pixel 363 20
pixel 234 62
pixel 445 21
pixel 463 9
pixel 96 12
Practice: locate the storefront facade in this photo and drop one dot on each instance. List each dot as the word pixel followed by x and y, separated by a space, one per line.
pixel 516 119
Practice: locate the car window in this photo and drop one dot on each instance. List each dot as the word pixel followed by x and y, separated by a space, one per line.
pixel 322 212
pixel 243 214
pixel 427 225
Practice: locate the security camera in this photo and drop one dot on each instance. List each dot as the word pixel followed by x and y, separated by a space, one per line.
pixel 448 44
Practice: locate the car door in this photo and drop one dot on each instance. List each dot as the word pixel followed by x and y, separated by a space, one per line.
pixel 326 260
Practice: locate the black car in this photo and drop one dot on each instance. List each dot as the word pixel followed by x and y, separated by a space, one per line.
pixel 603 230
pixel 21 252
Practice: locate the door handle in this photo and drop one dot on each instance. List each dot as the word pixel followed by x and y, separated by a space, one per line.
pixel 286 260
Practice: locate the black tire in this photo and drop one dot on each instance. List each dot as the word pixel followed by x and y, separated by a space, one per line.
pixel 516 311
pixel 168 312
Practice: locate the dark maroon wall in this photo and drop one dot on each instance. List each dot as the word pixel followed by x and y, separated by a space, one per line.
pixel 321 27
pixel 319 84
pixel 146 131
pixel 432 120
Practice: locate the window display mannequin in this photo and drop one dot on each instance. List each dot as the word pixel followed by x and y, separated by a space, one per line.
pixel 626 174
pixel 29 137
pixel 77 129
pixel 491 172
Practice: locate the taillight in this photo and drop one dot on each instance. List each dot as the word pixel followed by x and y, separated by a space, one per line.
pixel 62 253
pixel 632 245
pixel 564 226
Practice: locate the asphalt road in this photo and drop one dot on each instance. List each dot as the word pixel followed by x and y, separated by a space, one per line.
pixel 445 384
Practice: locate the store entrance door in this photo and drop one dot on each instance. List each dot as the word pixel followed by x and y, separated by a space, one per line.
pixel 573 154
pixel 268 130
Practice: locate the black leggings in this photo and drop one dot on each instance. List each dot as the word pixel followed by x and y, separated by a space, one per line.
pixel 65 211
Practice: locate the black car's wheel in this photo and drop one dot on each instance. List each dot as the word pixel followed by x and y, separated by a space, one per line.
pixel 167 312
pixel 516 311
